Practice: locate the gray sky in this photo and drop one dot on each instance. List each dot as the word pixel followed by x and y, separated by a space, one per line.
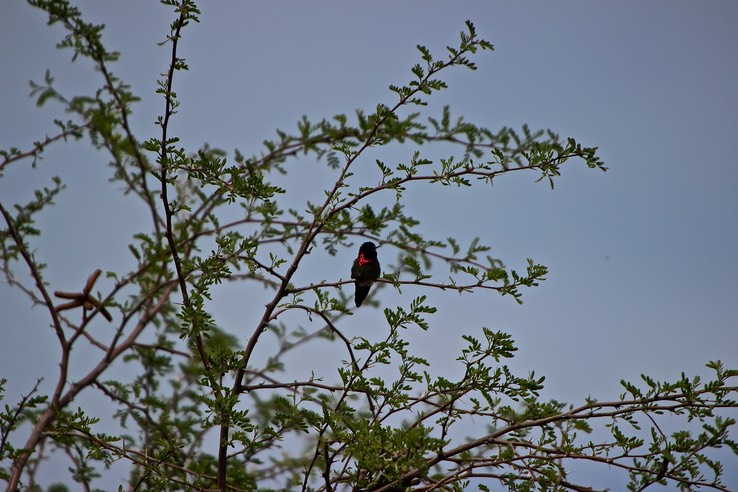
pixel 644 274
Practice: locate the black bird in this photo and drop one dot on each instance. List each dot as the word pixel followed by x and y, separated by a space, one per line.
pixel 365 271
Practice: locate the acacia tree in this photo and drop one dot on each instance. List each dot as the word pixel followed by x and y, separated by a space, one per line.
pixel 200 411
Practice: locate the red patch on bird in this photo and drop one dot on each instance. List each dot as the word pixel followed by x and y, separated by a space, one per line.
pixel 363 260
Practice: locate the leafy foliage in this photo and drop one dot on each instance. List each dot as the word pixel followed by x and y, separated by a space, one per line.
pixel 201 412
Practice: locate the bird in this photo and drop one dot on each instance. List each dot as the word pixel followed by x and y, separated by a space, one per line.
pixel 365 271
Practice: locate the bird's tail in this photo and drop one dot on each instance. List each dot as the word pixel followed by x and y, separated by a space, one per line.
pixel 360 293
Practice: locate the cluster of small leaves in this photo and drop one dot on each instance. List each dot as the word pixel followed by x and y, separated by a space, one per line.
pixel 530 447
pixel 67 130
pixel 683 456
pixel 12 417
pixel 384 454
pixel 22 225
pixel 425 83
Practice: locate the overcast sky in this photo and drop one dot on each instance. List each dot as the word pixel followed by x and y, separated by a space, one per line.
pixel 644 272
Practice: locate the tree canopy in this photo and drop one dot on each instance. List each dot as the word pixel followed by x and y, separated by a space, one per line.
pixel 192 402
